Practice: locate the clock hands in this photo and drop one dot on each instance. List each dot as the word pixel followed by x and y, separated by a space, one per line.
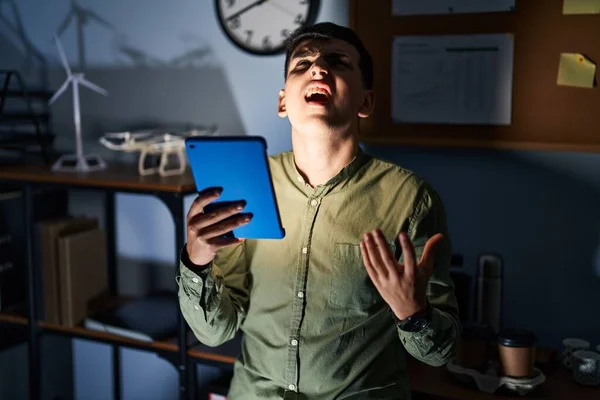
pixel 285 10
pixel 243 10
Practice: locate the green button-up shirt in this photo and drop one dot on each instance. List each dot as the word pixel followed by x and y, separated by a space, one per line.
pixel 314 326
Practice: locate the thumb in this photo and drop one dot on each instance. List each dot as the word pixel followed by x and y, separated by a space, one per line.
pixel 428 255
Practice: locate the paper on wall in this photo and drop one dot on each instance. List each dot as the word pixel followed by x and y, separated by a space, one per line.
pixel 581 7
pixel 576 70
pixel 452 79
pixel 423 7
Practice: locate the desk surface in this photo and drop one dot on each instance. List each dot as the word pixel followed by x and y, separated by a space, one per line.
pixel 560 385
pixel 115 177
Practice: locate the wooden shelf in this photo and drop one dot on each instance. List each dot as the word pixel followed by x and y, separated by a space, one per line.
pixel 225 354
pixel 33 94
pixel 9 118
pixel 118 177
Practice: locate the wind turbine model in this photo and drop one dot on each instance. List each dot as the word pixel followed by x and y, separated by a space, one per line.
pixel 81 16
pixel 76 162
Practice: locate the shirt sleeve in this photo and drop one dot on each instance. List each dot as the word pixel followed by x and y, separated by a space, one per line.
pixel 434 344
pixel 214 300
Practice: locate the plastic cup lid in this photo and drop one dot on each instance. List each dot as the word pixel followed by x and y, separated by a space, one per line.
pixel 575 342
pixel 516 338
pixel 586 355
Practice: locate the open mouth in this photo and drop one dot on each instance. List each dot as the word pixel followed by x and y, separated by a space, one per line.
pixel 318 96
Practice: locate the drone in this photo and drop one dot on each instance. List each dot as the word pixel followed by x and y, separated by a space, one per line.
pixel 156 142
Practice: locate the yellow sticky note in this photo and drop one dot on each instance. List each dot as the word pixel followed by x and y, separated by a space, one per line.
pixel 576 70
pixel 581 7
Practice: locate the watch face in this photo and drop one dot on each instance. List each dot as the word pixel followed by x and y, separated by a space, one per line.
pixel 261 26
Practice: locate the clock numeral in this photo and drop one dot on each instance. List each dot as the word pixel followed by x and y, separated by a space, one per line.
pixel 249 35
pixel 234 23
pixel 303 2
pixel 266 43
pixel 285 33
pixel 230 3
pixel 299 19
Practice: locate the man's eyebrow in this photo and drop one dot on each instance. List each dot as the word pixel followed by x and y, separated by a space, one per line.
pixel 310 52
pixel 304 53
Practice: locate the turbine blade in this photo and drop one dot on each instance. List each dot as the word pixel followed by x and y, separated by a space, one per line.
pixel 59 91
pixel 92 15
pixel 63 26
pixel 62 55
pixel 93 86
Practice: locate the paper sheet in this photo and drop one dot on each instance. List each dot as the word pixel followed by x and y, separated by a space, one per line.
pixel 452 79
pixel 576 70
pixel 422 7
pixel 581 7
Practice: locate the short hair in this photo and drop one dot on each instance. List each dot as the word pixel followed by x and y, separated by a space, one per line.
pixel 327 31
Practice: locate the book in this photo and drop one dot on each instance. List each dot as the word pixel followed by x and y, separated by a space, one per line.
pixel 82 273
pixel 49 231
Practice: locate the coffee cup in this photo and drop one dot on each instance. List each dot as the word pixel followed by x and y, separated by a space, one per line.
pixel 586 367
pixel 570 345
pixel 516 350
pixel 474 346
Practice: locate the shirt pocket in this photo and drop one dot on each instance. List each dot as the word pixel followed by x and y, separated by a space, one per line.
pixel 351 286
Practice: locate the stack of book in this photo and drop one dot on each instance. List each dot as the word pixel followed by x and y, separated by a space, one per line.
pixel 74 267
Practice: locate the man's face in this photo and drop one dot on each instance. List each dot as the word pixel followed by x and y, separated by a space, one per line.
pixel 324 89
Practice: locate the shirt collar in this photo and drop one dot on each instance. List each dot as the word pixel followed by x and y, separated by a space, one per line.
pixel 345 173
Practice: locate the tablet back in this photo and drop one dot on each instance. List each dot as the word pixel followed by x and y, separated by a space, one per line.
pixel 240 166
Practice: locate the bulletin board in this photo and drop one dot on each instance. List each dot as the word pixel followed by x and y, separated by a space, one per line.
pixel 545 116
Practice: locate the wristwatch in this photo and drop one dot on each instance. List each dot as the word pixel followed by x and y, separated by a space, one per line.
pixel 416 322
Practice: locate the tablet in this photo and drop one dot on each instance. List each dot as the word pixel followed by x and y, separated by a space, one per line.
pixel 239 165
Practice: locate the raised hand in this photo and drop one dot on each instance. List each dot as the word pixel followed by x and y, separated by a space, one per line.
pixel 402 286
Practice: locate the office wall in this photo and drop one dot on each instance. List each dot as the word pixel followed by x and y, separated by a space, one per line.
pixel 539 210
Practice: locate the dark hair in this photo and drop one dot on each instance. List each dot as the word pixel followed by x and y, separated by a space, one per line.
pixel 326 31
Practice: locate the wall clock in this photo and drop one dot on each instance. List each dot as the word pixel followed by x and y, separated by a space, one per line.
pixel 261 26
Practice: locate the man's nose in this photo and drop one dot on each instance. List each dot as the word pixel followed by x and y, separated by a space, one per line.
pixel 319 68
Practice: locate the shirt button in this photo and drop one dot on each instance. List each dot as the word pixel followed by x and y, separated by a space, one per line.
pixel 195 280
pixel 314 203
pixel 304 250
pixel 301 294
pixel 294 342
pixel 197 308
pixel 292 387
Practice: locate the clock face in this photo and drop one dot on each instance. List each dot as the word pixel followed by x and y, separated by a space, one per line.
pixel 261 26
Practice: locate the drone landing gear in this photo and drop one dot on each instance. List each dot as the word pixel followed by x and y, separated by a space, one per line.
pixel 76 163
pixel 172 162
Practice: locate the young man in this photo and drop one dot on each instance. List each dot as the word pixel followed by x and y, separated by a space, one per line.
pixel 362 273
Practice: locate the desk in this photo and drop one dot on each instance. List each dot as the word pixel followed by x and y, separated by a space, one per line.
pixel 440 384
pixel 115 179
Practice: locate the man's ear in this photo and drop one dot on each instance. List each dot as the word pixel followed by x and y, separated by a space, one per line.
pixel 368 104
pixel 281 111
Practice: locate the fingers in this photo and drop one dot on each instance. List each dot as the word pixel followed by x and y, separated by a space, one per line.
pixel 378 254
pixel 373 256
pixel 221 228
pixel 385 254
pixel 203 220
pixel 204 198
pixel 410 263
pixel 371 270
